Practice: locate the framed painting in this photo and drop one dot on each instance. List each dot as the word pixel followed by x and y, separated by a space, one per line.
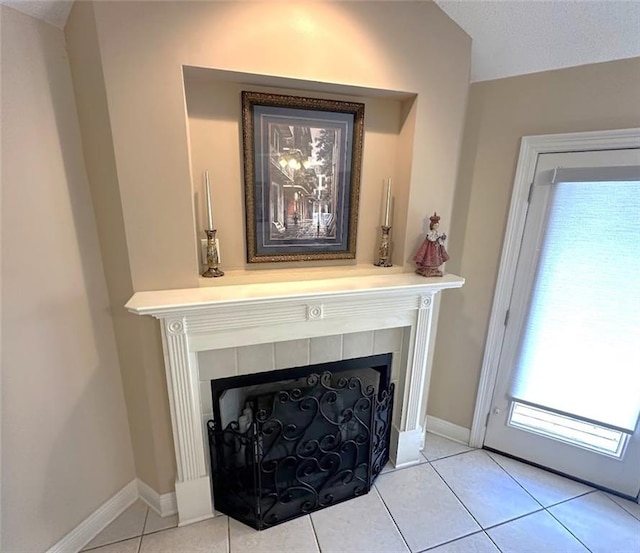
pixel 302 159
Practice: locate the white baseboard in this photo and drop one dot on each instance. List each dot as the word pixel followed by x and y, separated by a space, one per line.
pixel 448 430
pixel 95 523
pixel 164 504
pixel 89 528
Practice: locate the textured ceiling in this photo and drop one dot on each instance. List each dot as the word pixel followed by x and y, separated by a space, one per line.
pixel 510 37
pixel 514 37
pixel 51 11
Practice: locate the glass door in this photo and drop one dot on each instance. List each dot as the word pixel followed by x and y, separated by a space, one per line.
pixel 568 390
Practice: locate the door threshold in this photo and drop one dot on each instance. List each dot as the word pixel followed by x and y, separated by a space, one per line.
pixel 564 475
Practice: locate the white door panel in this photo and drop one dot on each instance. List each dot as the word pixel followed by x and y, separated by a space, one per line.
pixel 543 440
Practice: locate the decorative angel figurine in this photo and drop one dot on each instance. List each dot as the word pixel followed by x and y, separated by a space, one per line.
pixel 431 253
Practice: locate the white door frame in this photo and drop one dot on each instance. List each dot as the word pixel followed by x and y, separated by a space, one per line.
pixel 530 148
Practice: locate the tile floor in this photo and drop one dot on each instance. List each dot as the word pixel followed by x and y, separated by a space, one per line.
pixel 458 500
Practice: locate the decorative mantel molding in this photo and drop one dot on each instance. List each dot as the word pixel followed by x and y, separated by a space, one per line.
pixel 201 319
pixel 162 303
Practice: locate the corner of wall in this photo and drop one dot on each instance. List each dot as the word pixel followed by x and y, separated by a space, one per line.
pixel 140 366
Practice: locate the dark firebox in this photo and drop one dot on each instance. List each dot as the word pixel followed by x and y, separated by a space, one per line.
pixel 286 443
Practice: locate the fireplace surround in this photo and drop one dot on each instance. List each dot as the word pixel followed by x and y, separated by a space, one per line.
pixel 233 319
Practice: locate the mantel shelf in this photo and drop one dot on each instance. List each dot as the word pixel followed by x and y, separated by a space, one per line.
pixel 165 302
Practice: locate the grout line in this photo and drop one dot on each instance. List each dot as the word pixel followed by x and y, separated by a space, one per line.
pixel 548 470
pixel 541 509
pixel 165 529
pixel 315 534
pixel 513 478
pixel 456 496
pixel 462 504
pixel 384 504
pixel 452 455
pixel 144 527
pixel 495 525
pixel 146 517
pixel 110 543
pixel 546 509
pixel 118 540
pixel 432 547
pixel 618 504
pixel 491 540
pixel 228 533
pixel 394 469
pixel 570 499
pixel 567 529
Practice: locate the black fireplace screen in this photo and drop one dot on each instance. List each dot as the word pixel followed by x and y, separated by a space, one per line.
pixel 303 444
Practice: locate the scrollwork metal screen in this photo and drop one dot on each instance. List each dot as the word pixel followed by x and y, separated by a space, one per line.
pixel 308 447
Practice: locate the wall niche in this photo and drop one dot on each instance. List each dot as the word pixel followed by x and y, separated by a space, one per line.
pixel 214 114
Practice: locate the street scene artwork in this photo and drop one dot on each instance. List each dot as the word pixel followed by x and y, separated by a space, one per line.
pixel 302 172
pixel 303 176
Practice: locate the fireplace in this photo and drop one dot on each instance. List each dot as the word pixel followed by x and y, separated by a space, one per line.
pixel 242 325
pixel 289 442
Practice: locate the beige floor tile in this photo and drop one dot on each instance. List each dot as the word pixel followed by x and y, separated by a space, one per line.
pixel 156 523
pixel 208 536
pixel 360 525
pixel 476 543
pixel 436 447
pixel 127 546
pixel 490 494
pixel 128 525
pixel 547 488
pixel 295 536
pixel 533 534
pixel 629 506
pixel 423 507
pixel 600 524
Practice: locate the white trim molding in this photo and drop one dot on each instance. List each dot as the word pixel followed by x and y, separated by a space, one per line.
pixel 530 148
pixel 446 429
pixel 95 523
pixel 164 505
pixel 217 317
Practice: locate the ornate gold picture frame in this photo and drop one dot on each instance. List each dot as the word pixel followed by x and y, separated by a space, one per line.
pixel 302 165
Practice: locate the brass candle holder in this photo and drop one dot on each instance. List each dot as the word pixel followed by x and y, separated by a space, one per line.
pixel 384 251
pixel 213 258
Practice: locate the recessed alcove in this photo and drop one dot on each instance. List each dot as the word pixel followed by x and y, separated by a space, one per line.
pixel 213 110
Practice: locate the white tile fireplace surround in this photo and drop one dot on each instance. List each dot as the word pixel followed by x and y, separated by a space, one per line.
pixel 246 329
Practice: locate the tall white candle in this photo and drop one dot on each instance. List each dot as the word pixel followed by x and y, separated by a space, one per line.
pixel 387 212
pixel 207 187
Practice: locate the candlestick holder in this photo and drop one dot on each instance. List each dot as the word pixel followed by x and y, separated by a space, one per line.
pixel 384 257
pixel 213 258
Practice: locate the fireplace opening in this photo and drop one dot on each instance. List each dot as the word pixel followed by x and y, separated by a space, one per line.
pixel 289 442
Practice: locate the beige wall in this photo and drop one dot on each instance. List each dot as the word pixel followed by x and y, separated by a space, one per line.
pixel 332 46
pixel 141 367
pixel 588 98
pixel 143 46
pixel 66 447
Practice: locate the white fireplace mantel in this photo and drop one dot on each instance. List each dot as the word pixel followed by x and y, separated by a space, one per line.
pixel 217 317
